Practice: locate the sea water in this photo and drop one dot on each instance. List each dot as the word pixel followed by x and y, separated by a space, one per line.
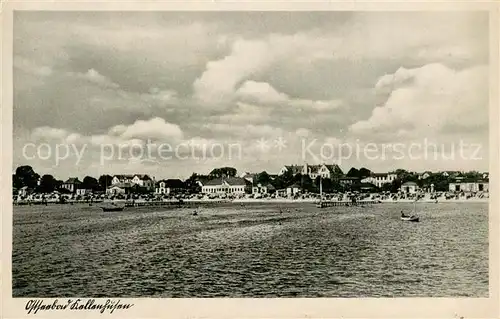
pixel 251 250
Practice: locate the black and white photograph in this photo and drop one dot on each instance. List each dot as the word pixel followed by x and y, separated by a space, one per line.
pixel 251 154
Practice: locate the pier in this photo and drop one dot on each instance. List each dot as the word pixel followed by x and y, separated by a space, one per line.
pixel 324 204
pixel 175 203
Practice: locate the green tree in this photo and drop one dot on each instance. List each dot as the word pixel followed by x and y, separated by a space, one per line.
pixel 263 178
pixel 392 187
pixel 307 183
pixel 105 181
pixel 353 172
pixel 192 184
pixel 364 172
pixel 223 171
pixel 283 181
pixel 47 184
pixel 25 176
pixel 90 182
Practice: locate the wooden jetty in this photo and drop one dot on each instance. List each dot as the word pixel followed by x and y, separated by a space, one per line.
pixel 181 203
pixel 324 203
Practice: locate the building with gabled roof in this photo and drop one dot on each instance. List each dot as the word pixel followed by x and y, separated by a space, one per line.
pixel 226 185
pixel 143 180
pixel 72 184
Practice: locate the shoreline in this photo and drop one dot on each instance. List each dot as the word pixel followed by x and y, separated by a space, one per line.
pixel 253 201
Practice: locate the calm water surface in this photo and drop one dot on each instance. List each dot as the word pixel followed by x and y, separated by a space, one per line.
pixel 251 251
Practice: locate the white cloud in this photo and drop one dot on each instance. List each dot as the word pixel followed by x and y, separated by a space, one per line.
pixel 218 82
pixel 155 128
pixel 429 98
pixel 95 77
pixel 49 133
pixel 261 91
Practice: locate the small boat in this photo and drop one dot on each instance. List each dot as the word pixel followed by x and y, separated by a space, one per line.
pixel 410 218
pixel 112 208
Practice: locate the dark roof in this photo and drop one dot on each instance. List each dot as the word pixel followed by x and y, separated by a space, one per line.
pixel 173 183
pixel 143 177
pixel 232 181
pixel 409 184
pixel 335 169
pixel 121 185
pixel 122 176
pixel 270 186
pixel 348 178
pixel 236 181
pixel 295 169
pixel 380 174
pixel 294 186
pixel 469 180
pixel 73 180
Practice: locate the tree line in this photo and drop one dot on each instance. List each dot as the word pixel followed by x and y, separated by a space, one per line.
pixel 26 176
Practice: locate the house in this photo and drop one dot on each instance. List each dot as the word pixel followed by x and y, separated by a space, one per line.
pixel 263 189
pixel 323 170
pixel 313 171
pixel 471 186
pixel 72 184
pixel 225 185
pixel 294 169
pixel 347 181
pixel 450 173
pixel 293 189
pixel 248 176
pixel 83 191
pixel 137 179
pixel 379 179
pixel 169 186
pixel 409 187
pixel 119 188
pixel 367 188
pixel 425 175
pixel 117 179
pixel 143 181
pixel 23 191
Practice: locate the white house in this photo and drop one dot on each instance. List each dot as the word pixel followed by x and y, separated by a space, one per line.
pixel 313 171
pixel 294 169
pixel 72 184
pixel 136 179
pixel 451 173
pixel 23 191
pixel 425 175
pixel 248 176
pixel 83 191
pixel 471 186
pixel 293 189
pixel 225 185
pixel 169 186
pixel 409 187
pixel 323 170
pixel 379 179
pixel 263 189
pixel 119 188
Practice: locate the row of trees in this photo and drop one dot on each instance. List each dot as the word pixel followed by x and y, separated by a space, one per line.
pixel 26 176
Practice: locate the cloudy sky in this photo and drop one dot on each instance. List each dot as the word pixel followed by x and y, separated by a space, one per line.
pixel 285 87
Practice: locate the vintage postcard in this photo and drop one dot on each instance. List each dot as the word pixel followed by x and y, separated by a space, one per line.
pixel 250 160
